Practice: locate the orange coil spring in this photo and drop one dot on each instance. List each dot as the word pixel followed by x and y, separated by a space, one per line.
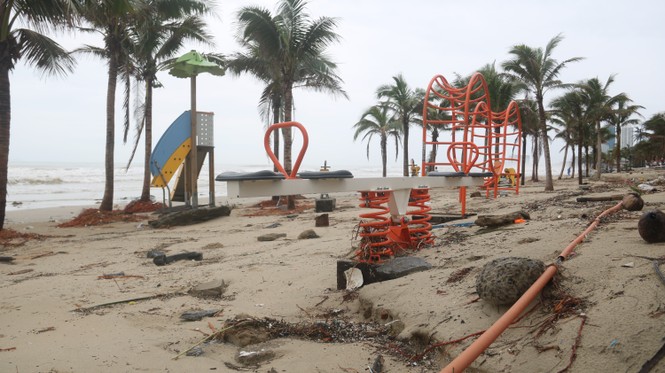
pixel 419 226
pixel 374 245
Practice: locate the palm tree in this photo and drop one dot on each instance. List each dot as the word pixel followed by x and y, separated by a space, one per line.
pixel 316 74
pixel 539 72
pixel 161 28
pixel 112 20
pixel 378 120
pixel 292 44
pixel 599 108
pixel 655 134
pixel 569 111
pixel 621 117
pixel 33 48
pixel 407 105
pixel 529 115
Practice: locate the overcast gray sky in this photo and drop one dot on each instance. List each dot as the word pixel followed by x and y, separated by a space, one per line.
pixel 63 119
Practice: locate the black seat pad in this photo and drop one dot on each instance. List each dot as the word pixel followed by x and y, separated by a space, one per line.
pixel 338 174
pixel 446 174
pixel 241 176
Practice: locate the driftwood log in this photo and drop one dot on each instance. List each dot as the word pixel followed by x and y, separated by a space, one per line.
pixel 616 197
pixel 499 220
pixel 189 217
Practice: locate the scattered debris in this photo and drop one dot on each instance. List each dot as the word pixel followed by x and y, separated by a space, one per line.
pixel 210 289
pixel 27 270
pixel 161 260
pixel 308 234
pixel 6 259
pixel 148 297
pixel 48 329
pixel 255 357
pixel 195 351
pixel 499 220
pixel 154 253
pixel 321 221
pixel 615 197
pixel 198 315
pixel 502 281
pixel 92 217
pixel 137 206
pixel 628 265
pixel 458 275
pixel 270 237
pixel 191 216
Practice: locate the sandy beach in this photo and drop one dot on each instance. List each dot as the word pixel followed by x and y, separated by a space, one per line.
pixel 281 297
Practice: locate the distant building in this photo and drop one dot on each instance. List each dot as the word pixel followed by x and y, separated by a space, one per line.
pixel 627 138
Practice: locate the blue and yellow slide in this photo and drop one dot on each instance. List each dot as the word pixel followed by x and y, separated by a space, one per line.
pixel 171 151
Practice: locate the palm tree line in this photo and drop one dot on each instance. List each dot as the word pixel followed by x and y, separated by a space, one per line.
pixel 287 50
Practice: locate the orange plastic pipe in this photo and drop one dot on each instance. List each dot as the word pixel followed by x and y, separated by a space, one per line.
pixel 468 356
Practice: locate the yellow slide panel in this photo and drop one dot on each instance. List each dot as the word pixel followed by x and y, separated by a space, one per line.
pixel 172 165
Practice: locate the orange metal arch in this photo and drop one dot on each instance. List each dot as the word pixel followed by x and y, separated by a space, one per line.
pixel 301 155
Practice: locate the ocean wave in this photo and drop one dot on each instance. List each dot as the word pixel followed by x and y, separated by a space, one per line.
pixel 35 181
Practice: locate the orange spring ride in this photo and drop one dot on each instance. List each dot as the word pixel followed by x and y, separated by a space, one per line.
pixel 374 244
pixel 419 227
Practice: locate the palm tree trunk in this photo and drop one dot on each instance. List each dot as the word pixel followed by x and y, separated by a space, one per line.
pixel 599 152
pixel 405 153
pixel 276 105
pixel 579 161
pixel 107 200
pixel 145 192
pixel 563 164
pixel 5 120
pixel 572 161
pixel 586 160
pixel 549 183
pixel 618 148
pixel 288 140
pixel 524 137
pixel 384 154
pixel 535 160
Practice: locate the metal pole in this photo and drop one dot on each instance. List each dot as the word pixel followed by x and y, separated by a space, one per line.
pixel 192 153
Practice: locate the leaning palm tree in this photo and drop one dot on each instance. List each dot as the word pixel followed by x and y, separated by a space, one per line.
pixel 379 120
pixel 539 71
pixel 111 19
pixel 160 29
pixel 622 116
pixel 407 105
pixel 32 47
pixel 599 109
pixel 293 44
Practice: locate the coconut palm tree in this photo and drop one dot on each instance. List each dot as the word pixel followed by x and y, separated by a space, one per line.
pixel 599 105
pixel 655 134
pixel 379 120
pixel 316 74
pixel 529 115
pixel 569 112
pixel 112 20
pixel 292 43
pixel 539 71
pixel 407 105
pixel 30 45
pixel 160 29
pixel 622 116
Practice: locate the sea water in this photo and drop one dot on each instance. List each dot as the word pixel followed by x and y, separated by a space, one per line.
pixel 34 185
